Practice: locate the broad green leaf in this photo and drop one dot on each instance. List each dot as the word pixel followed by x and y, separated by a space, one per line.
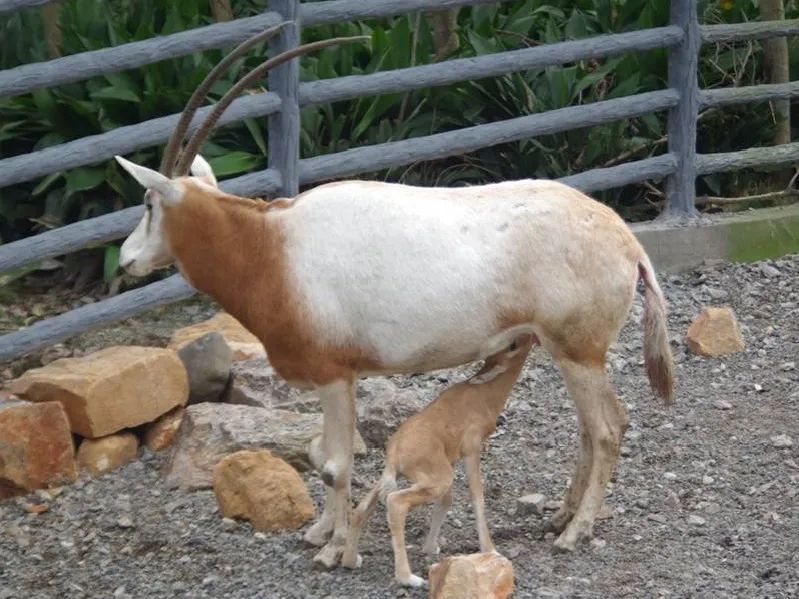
pixel 84 178
pixel 116 93
pixel 110 262
pixel 233 163
pixel 45 183
pixel 257 135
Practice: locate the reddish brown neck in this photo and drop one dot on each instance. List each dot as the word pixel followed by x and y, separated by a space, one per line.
pixel 226 248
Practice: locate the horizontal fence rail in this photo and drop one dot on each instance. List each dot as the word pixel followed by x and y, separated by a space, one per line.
pixel 491 65
pixel 339 11
pixel 94 316
pixel 77 67
pixel 749 94
pixel 683 37
pixel 461 141
pixel 774 156
pixel 123 140
pixel 9 5
pixel 740 32
pixel 98 230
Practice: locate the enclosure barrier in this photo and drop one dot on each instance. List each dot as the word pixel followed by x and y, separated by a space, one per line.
pixel 683 99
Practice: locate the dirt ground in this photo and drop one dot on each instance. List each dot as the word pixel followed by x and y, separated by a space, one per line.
pixel 704 501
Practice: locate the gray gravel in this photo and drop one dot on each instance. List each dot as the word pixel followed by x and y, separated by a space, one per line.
pixel 703 504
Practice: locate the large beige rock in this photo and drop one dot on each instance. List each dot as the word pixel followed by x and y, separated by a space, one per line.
pixel 475 576
pixel 715 332
pixel 36 449
pixel 112 389
pixel 244 344
pixel 109 453
pixel 263 489
pixel 210 431
pixel 161 434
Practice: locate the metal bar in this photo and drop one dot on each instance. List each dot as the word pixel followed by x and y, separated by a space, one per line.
pixel 756 30
pixel 774 156
pixel 683 63
pixel 600 179
pixel 123 140
pixel 339 11
pixel 491 65
pixel 93 316
pixel 68 69
pixel 749 94
pixel 284 125
pixel 376 157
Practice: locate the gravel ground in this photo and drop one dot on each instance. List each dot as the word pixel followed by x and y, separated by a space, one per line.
pixel 704 500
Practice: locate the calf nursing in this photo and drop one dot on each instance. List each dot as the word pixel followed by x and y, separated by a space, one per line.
pixel 362 278
pixel 426 446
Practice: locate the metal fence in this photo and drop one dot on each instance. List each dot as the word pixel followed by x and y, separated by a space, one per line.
pixel 682 99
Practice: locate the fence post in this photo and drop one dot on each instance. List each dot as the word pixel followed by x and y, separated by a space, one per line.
pixel 683 64
pixel 284 125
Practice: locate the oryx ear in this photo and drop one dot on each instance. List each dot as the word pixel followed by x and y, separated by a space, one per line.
pixel 169 190
pixel 202 170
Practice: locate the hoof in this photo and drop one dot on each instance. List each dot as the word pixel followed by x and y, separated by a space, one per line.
pixel 576 533
pixel 329 556
pixel 562 545
pixel 559 521
pixel 318 534
pixel 348 561
pixel 412 581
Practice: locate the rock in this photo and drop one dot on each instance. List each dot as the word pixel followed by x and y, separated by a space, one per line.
pixel 211 431
pixel 721 404
pixel 207 359
pixel 245 345
pixel 98 456
pixel 262 488
pixel 659 518
pixel 781 441
pixel 382 407
pixel 255 383
pixel 475 576
pixel 715 332
pixel 788 366
pixel 695 520
pixel 36 449
pixel 112 389
pixel 769 270
pixel 161 434
pixel 531 504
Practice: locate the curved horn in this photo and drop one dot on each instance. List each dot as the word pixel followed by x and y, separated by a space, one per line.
pixel 169 159
pixel 202 132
